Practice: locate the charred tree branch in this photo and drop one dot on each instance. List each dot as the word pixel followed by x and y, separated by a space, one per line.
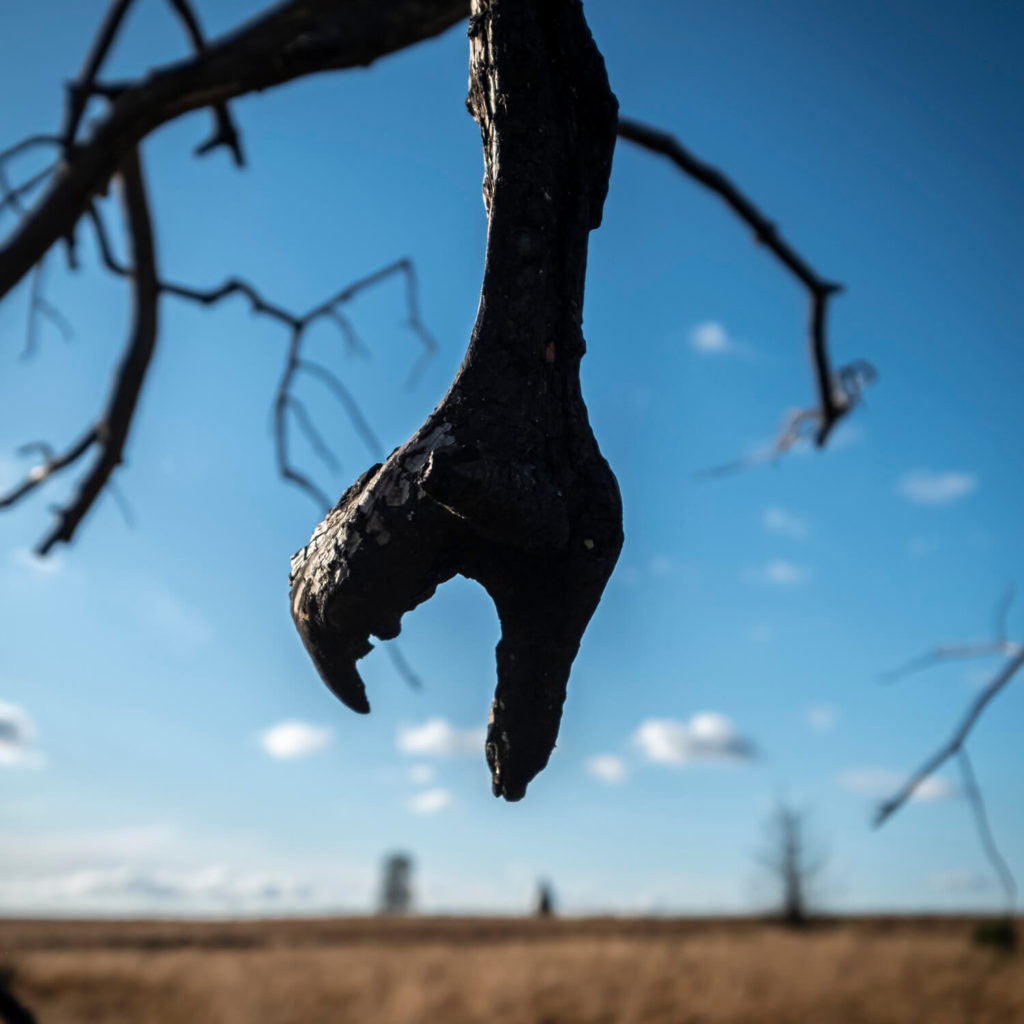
pixel 504 483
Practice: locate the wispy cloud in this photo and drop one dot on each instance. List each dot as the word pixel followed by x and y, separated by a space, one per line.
pixel 18 738
pixel 50 565
pixel 711 338
pixel 608 768
pixel 437 737
pixel 927 487
pixel 882 782
pixel 707 736
pixel 293 739
pixel 821 717
pixel 784 523
pixel 216 885
pixel 431 801
pixel 777 573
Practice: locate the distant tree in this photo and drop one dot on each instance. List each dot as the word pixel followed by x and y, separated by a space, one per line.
pixel 396 885
pixel 545 906
pixel 793 861
pixel 504 483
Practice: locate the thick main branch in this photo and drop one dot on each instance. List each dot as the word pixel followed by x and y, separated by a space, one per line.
pixel 504 483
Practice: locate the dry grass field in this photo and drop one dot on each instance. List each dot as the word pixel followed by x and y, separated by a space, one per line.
pixel 505 971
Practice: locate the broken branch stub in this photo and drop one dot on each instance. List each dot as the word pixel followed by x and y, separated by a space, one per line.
pixel 504 483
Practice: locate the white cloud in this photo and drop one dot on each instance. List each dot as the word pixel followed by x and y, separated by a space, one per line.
pixel 18 738
pixel 437 737
pixel 881 782
pixel 607 767
pixel 431 801
pixel 710 338
pixel 707 736
pixel 822 717
pixel 786 524
pixel 421 774
pixel 925 487
pixel 778 573
pixel 291 739
pixel 48 565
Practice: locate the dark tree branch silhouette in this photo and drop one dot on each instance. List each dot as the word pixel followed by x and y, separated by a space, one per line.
pixel 505 482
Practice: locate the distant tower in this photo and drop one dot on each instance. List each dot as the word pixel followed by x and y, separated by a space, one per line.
pixel 396 887
pixel 545 900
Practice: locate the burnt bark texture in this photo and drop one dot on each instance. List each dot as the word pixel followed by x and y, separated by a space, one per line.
pixel 504 483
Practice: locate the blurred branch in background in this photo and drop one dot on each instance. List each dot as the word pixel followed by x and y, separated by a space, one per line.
pixel 955 745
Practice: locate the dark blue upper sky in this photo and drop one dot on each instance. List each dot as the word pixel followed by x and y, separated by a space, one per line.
pixel 156 664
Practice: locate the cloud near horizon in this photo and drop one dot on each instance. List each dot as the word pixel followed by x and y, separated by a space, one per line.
pixel 707 737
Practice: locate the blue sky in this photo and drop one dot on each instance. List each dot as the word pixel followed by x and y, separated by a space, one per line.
pixel 176 751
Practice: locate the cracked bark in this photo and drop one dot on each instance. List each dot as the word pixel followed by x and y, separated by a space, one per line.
pixel 504 483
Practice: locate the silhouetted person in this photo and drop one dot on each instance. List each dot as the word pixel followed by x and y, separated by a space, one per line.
pixel 545 900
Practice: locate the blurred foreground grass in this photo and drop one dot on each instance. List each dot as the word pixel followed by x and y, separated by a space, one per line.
pixel 511 971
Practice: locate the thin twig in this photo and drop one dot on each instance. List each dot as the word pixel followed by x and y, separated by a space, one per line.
pixel 955 742
pixel 838 392
pixel 984 828
pixel 39 305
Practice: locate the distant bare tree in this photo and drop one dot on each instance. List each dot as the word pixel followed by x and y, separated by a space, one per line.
pixel 793 861
pixel 396 888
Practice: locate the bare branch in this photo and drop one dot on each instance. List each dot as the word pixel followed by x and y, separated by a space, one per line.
pixel 988 843
pixel 838 392
pixel 955 742
pixel 291 40
pixel 298 325
pixel 225 132
pixel 950 652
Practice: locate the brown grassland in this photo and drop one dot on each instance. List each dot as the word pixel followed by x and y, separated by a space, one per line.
pixel 511 971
